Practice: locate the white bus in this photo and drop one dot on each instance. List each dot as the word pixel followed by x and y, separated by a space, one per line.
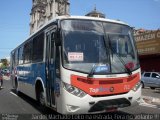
pixel 79 65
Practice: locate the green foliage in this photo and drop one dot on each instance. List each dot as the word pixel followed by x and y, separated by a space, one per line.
pixel 4 64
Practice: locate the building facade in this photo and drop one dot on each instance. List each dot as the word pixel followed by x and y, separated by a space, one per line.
pixel 148 44
pixel 45 10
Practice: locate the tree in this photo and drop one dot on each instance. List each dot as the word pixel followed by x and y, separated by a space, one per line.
pixel 5 63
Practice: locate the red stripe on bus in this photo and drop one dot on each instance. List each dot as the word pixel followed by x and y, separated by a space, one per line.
pixel 105 86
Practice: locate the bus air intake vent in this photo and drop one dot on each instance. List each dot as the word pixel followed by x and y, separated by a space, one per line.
pixel 85 80
pixel 111 81
pixel 109 94
pixel 107 104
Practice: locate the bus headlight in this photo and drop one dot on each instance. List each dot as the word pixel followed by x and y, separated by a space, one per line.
pixel 73 90
pixel 137 86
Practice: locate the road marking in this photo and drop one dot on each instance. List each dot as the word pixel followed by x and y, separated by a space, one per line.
pixel 149 105
pixel 151 101
pixel 13 94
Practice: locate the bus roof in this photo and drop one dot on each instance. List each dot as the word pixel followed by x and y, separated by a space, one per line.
pixel 79 17
pixel 92 18
pixel 73 17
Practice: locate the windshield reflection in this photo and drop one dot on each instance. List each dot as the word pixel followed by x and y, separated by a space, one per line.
pixel 88 48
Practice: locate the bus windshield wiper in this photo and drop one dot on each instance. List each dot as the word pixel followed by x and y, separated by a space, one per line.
pixel 99 68
pixel 91 73
pixel 121 60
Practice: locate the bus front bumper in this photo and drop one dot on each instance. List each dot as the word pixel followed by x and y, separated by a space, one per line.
pixel 91 105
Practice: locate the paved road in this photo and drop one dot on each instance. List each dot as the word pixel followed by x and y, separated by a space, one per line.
pixel 25 108
pixel 152 93
pixel 11 103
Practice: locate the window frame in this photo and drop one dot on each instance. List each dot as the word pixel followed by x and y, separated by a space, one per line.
pixel 35 49
pixel 147 75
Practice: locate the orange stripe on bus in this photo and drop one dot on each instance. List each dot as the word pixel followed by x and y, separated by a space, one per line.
pixel 105 86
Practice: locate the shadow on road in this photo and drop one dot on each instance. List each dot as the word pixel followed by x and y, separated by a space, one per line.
pixel 34 103
pixel 1 88
pixel 157 91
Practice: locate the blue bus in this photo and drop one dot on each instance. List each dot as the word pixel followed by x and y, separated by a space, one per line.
pixel 79 65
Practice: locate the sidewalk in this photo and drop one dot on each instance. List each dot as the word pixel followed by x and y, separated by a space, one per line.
pixel 151 100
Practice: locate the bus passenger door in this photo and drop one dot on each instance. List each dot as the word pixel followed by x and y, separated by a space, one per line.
pixel 50 69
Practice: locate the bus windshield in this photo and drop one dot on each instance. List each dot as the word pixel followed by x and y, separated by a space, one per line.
pixel 98 47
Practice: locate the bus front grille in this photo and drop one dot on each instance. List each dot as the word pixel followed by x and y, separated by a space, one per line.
pixel 107 104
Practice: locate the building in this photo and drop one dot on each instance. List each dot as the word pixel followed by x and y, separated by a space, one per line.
pixel 148 44
pixel 95 13
pixel 45 10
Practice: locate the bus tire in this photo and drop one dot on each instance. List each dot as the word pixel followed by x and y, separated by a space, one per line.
pixel 40 94
pixel 42 98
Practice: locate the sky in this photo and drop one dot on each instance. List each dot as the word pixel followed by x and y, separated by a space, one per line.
pixel 15 17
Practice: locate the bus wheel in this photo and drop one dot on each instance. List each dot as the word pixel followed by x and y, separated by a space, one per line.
pixel 40 94
pixel 42 98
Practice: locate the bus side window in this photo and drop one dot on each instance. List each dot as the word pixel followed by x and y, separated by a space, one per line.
pixel 20 55
pixel 38 43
